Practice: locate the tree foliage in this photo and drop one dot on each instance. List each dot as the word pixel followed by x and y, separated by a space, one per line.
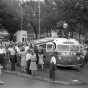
pixel 9 15
pixel 74 12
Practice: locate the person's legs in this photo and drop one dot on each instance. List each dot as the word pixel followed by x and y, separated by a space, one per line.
pixel 0 69
pixel 32 72
pixel 28 67
pixel 50 74
pixel 53 75
pixel 86 60
pixel 11 63
pixel 13 66
pixel 3 61
pixel 22 68
pixel 29 71
pixel 42 67
pixel 19 61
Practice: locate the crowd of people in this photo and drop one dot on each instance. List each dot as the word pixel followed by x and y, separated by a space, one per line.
pixel 26 56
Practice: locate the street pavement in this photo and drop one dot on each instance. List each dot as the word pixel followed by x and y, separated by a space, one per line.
pixel 63 76
pixel 16 81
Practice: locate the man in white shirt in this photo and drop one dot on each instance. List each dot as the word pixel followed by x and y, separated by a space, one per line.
pixel 18 56
pixel 28 60
pixel 53 60
pixel 52 67
pixel 13 58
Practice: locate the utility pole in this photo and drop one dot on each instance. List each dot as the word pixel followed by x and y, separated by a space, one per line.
pixel 39 18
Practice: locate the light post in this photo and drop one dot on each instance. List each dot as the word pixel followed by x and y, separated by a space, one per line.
pixel 79 32
pixel 39 17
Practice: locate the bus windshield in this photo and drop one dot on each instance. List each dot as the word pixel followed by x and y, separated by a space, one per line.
pixel 74 48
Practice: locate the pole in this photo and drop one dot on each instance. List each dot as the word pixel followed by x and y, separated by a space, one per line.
pixel 22 16
pixel 80 32
pixel 39 16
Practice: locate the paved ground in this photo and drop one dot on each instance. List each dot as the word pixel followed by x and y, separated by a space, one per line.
pixel 64 79
pixel 15 81
pixel 63 76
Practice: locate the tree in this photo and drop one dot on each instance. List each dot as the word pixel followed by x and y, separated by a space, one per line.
pixel 9 15
pixel 51 12
pixel 71 11
pixel 48 15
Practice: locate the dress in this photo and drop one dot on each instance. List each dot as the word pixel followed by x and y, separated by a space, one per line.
pixel 41 59
pixel 33 65
pixel 23 59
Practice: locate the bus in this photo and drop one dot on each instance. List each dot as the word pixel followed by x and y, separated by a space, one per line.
pixel 68 52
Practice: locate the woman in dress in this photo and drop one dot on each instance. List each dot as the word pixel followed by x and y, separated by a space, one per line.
pixel 23 59
pixel 41 61
pixel 33 65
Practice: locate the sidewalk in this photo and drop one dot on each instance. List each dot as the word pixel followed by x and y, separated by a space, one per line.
pixel 61 78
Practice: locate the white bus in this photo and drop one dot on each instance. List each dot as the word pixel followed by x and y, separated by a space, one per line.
pixel 67 52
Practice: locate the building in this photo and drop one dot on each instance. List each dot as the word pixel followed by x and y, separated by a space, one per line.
pixel 21 36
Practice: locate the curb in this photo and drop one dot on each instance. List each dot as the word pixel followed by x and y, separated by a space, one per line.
pixel 73 82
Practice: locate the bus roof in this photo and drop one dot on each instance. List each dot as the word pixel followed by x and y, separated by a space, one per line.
pixel 66 41
pixel 62 41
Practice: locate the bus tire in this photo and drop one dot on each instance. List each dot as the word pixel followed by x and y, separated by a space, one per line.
pixel 78 68
pixel 83 64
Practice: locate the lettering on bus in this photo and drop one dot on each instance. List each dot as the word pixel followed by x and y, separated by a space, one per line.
pixel 68 42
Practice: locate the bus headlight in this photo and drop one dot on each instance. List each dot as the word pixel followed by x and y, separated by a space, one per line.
pixel 82 56
pixel 78 58
pixel 60 58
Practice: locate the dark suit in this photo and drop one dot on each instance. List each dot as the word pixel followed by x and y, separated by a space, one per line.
pixel 52 71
